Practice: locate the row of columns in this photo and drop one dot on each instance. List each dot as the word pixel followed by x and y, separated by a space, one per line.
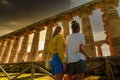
pixel 11 52
pixel 15 49
pixel 9 48
pixel 87 31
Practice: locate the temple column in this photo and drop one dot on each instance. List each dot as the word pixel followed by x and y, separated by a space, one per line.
pixel 65 23
pixel 2 48
pixel 112 22
pixel 7 51
pixel 14 51
pixel 23 51
pixel 0 43
pixel 87 31
pixel 47 39
pixel 34 53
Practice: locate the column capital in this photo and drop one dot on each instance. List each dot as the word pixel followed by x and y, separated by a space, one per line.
pixel 51 23
pixel 115 2
pixel 85 11
pixel 28 31
pixel 39 28
pixel 66 17
pixel 108 6
pixel 12 37
pixel 5 39
pixel 75 12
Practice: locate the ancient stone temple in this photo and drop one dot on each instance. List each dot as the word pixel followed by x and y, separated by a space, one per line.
pixel 14 49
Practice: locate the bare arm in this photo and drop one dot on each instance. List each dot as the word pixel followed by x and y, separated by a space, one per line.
pixel 82 50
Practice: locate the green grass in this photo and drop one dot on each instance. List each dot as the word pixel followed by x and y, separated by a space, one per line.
pixel 41 76
pixel 24 76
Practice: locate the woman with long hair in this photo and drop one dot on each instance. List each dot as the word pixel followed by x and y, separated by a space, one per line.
pixel 57 50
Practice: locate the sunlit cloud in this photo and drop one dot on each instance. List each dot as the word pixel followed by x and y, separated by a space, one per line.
pixel 72 0
pixel 5 31
pixel 5 2
pixel 13 25
pixel 99 36
pixel 8 27
pixel 118 8
pixel 105 50
pixel 75 3
pixel 20 14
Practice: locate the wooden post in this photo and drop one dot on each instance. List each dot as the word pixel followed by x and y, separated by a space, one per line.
pixel 5 73
pixel 32 71
pixel 109 71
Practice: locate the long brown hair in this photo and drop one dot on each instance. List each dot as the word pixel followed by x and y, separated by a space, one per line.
pixel 57 31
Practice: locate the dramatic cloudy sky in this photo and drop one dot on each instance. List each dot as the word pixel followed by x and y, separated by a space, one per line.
pixel 15 14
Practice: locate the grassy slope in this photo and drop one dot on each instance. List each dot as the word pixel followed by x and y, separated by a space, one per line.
pixel 39 76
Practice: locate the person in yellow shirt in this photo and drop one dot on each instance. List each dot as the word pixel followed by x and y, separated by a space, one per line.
pixel 57 50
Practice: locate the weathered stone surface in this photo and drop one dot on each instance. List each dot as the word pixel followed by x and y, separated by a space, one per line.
pixel 112 22
pixel 87 31
pixel 65 23
pixel 7 51
pixel 14 51
pixel 47 39
pixel 32 56
pixel 2 49
pixel 22 54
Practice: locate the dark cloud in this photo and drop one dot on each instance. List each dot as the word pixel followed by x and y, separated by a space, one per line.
pixel 28 8
pixel 20 13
